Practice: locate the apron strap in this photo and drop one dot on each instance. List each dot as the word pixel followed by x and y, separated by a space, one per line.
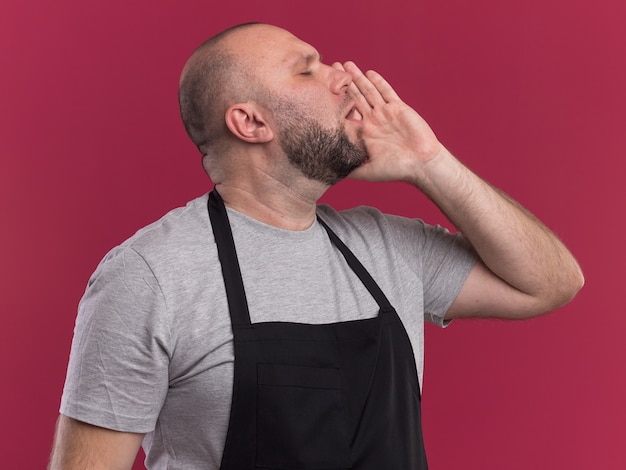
pixel 235 292
pixel 356 266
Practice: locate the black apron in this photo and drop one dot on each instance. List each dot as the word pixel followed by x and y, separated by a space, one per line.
pixel 330 396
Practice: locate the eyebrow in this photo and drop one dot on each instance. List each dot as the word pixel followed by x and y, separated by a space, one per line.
pixel 307 59
pixel 313 57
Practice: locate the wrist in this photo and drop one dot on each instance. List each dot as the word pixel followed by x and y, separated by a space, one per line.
pixel 434 170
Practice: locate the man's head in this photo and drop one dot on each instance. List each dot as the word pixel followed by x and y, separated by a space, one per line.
pixel 211 79
pixel 258 85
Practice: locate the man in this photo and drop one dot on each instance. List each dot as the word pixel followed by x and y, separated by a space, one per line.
pixel 326 309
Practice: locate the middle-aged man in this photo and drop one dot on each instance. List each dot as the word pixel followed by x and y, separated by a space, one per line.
pixel 255 329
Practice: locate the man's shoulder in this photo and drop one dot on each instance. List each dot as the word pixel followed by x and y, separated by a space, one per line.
pixel 184 224
pixel 176 234
pixel 366 219
pixel 366 230
pixel 359 215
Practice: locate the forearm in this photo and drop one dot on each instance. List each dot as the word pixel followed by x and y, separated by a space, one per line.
pixel 509 240
pixel 525 270
pixel 81 446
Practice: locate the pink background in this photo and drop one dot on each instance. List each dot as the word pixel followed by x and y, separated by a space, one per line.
pixel 531 95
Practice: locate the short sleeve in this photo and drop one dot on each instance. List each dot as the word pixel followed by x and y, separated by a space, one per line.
pixel 118 369
pixel 442 260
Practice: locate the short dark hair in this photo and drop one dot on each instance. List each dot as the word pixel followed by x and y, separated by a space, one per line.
pixel 201 94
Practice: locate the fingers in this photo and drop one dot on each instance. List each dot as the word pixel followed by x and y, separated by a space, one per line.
pixel 365 87
pixel 362 105
pixel 371 85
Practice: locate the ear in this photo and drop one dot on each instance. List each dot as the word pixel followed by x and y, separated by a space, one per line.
pixel 247 122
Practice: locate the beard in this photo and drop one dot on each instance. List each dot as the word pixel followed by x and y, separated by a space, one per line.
pixel 321 154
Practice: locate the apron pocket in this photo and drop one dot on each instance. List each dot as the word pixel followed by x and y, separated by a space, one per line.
pixel 301 418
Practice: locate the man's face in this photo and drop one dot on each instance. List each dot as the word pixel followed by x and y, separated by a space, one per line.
pixel 314 116
pixel 322 154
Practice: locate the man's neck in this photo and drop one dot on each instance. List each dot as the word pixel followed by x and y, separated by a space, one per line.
pixel 286 207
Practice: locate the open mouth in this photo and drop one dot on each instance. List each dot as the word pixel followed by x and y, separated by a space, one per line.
pixel 354 115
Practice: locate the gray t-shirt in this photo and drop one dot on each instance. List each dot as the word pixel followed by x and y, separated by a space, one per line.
pixel 152 350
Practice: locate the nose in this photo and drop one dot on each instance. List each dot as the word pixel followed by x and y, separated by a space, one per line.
pixel 339 79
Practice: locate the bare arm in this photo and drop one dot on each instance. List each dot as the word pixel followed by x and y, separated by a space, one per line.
pixel 81 446
pixel 524 270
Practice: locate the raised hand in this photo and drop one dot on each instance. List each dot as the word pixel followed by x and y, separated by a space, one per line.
pixel 399 141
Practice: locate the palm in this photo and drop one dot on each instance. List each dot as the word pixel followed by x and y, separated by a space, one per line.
pixel 398 140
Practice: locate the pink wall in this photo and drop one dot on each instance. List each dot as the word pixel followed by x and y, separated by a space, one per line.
pixel 530 94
